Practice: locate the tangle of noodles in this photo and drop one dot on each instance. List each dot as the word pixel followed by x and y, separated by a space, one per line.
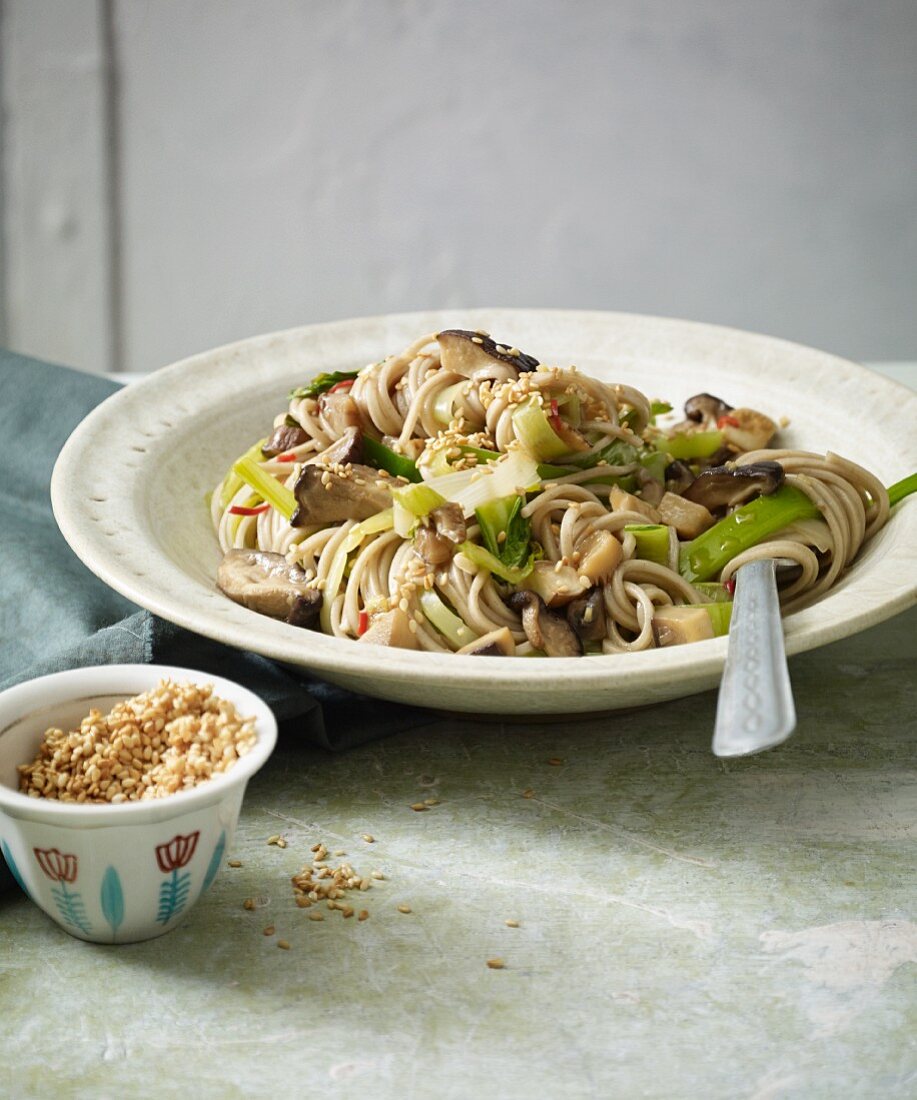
pixel 400 401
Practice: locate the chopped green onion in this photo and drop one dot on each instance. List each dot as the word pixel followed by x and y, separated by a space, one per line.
pixel 454 629
pixel 689 445
pixel 720 614
pixel 534 432
pixel 419 500
pixel 713 591
pixel 232 483
pixel 705 556
pixel 266 486
pixel 381 521
pixel 383 458
pixel 653 541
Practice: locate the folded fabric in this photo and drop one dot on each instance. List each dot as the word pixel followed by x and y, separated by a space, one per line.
pixel 57 615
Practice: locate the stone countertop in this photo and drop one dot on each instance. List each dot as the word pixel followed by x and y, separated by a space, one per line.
pixel 688 927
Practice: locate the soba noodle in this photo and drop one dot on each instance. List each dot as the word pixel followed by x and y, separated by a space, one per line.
pixel 440 403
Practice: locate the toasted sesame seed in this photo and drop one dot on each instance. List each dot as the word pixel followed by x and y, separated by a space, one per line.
pixel 347 910
pixel 317 915
pixel 234 863
pixel 528 793
pixel 555 761
pixel 404 909
pixel 249 903
pixel 511 923
pixel 268 930
pixel 496 964
pixel 283 945
pixel 368 838
pixel 377 874
pixel 363 914
pixel 418 807
pixel 431 801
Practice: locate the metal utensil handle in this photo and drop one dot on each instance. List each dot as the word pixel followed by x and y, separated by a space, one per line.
pixel 755 710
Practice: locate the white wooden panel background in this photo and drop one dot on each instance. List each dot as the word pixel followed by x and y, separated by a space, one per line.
pixel 179 174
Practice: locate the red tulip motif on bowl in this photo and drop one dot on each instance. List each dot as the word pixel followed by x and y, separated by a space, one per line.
pixel 171 857
pixel 62 868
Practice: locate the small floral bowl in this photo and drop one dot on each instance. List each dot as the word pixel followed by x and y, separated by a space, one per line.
pixel 127 872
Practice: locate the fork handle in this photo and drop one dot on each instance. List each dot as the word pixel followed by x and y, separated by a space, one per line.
pixel 755 710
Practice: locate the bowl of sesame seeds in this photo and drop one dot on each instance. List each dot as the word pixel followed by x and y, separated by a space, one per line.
pixel 120 790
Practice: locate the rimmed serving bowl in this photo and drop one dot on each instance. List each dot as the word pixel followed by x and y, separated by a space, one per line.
pixel 127 872
pixel 130 485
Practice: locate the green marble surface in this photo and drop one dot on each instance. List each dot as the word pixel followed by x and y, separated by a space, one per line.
pixel 689 927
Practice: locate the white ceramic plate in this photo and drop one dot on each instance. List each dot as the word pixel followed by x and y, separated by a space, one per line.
pixel 129 486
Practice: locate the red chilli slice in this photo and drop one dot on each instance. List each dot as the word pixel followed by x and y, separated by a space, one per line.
pixel 363 624
pixel 730 420
pixel 239 510
pixel 288 457
pixel 345 384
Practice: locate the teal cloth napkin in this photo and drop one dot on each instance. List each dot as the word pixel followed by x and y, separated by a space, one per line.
pixel 55 614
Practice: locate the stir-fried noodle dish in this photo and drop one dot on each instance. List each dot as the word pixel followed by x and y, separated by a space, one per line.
pixel 462 497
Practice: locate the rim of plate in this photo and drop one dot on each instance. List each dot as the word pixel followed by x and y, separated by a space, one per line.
pixel 89 497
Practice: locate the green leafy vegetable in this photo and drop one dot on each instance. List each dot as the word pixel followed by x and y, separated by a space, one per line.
pixel 504 516
pixel 323 382
pixel 484 559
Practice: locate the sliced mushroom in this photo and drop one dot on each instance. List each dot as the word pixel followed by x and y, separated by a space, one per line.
pixel 704 408
pixel 627 502
pixel 555 586
pixel 465 353
pixel 545 630
pixel 678 476
pixel 498 643
pixel 651 490
pixel 680 625
pixel 331 495
pixel 449 521
pixel 687 517
pixel 600 555
pixel 587 616
pixel 342 452
pixel 432 547
pixel 727 486
pixel 284 438
pixel 748 430
pixel 391 628
pixel 269 584
pixel 339 411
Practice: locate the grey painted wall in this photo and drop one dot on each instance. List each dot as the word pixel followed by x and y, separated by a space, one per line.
pixel 751 162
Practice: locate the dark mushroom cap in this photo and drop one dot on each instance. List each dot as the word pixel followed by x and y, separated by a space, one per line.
pixel 728 486
pixel 704 408
pixel 587 616
pixel 267 583
pixel 347 449
pixel 678 476
pixel 543 628
pixel 449 521
pixel 284 438
pixel 470 347
pixel 326 495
